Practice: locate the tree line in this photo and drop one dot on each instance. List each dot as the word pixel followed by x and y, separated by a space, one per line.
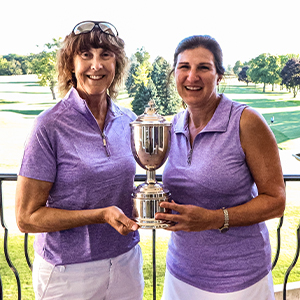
pixel 146 81
pixel 152 81
pixel 43 64
pixel 271 69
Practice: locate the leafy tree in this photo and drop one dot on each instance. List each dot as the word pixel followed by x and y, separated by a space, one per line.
pixel 10 67
pixel 139 72
pixel 258 70
pixel 290 75
pixel 168 100
pixel 153 80
pixel 44 65
pixel 14 67
pixel 3 66
pixel 143 95
pixel 142 56
pixel 237 67
pixel 274 68
pixel 265 69
pixel 20 61
pixel 229 70
pixel 283 59
pixel 142 74
pixel 130 82
pixel 242 76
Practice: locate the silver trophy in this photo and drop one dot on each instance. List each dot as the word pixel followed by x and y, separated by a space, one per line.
pixel 150 142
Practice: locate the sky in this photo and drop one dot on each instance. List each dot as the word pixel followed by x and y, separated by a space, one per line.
pixel 244 29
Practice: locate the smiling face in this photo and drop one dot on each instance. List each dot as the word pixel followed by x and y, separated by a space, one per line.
pixel 196 76
pixel 94 70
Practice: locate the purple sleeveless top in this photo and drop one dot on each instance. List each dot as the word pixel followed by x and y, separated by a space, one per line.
pixel 214 174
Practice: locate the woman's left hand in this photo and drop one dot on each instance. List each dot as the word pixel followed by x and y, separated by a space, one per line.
pixel 115 217
pixel 191 217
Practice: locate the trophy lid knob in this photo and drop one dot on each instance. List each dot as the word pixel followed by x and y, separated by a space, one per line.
pixel 150 115
pixel 150 109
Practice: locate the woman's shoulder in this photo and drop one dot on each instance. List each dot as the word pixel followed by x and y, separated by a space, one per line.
pixel 251 118
pixel 53 111
pixel 179 116
pixel 63 105
pixel 125 111
pixel 235 104
pixel 248 116
pixel 47 118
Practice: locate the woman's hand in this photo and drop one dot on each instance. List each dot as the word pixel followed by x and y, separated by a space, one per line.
pixel 191 217
pixel 115 217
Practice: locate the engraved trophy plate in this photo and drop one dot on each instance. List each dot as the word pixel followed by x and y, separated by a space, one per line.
pixel 150 142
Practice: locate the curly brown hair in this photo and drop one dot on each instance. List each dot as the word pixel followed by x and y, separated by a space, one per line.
pixel 76 44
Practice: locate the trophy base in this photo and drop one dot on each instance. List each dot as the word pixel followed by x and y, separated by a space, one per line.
pixel 147 199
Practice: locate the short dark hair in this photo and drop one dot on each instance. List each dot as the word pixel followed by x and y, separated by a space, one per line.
pixel 206 42
pixel 75 44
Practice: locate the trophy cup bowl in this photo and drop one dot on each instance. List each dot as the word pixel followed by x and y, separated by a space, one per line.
pixel 150 142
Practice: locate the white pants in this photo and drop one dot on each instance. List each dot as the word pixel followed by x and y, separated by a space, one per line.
pixel 175 289
pixel 119 278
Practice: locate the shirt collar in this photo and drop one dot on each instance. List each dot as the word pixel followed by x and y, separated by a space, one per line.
pixel 81 106
pixel 218 122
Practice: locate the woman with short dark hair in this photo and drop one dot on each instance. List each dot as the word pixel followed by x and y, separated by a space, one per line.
pixel 225 177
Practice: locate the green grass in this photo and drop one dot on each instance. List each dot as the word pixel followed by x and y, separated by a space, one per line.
pixel 288 245
pixel 24 112
pixel 27 83
pixel 161 250
pixel 17 256
pixel 278 104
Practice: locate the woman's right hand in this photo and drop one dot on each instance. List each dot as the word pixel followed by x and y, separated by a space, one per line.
pixel 115 217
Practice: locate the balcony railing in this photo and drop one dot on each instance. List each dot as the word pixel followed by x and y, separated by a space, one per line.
pixel 13 177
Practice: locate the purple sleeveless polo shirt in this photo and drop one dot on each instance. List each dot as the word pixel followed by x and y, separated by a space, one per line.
pixel 214 174
pixel 66 147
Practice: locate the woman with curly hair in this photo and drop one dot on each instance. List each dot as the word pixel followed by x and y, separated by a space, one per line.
pixel 75 182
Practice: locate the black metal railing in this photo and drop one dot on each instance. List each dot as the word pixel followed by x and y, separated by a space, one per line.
pixel 13 177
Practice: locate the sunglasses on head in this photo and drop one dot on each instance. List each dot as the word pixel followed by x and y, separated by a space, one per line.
pixel 88 26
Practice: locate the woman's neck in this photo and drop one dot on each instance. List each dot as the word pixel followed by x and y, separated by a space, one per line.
pixel 98 106
pixel 199 116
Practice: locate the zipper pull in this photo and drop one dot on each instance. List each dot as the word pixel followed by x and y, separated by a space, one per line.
pixel 189 158
pixel 105 144
pixel 104 140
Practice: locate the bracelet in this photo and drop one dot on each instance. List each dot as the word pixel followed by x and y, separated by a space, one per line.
pixel 225 227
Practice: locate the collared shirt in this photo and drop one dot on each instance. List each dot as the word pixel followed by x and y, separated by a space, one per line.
pixel 89 169
pixel 213 173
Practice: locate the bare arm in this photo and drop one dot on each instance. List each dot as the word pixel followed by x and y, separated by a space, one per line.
pixel 33 216
pixel 263 160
